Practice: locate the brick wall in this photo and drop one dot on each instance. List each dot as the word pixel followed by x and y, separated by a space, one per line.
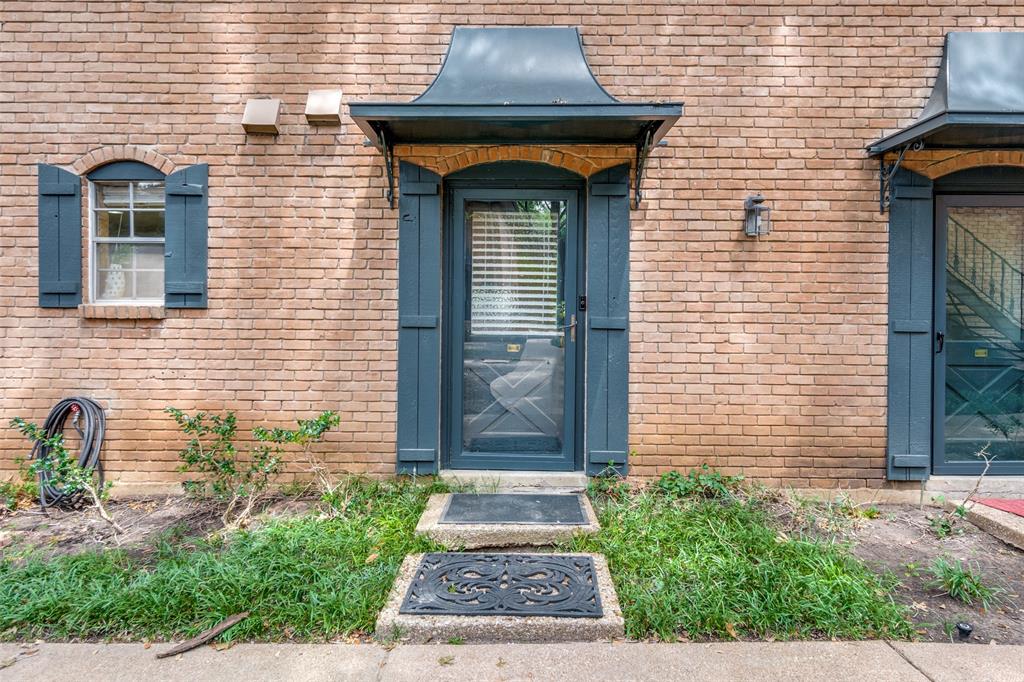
pixel 765 356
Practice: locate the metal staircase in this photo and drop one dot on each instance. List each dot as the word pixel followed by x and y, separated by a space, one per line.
pixel 984 290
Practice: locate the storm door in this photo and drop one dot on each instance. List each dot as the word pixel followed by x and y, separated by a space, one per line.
pixel 979 343
pixel 512 329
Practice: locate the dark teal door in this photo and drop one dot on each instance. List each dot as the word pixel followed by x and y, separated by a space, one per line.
pixel 979 344
pixel 513 329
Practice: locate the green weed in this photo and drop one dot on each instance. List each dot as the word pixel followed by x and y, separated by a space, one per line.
pixel 307 578
pixel 961 582
pixel 704 483
pixel 708 569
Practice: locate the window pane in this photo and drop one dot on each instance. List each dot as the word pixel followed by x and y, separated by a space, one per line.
pixel 149 257
pixel 111 223
pixel 113 284
pixel 149 195
pixel 112 195
pixel 149 223
pixel 149 284
pixel 110 255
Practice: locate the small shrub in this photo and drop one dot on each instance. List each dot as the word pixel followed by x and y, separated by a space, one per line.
pixel 22 491
pixel 941 525
pixel 235 479
pixel 961 583
pixel 62 471
pixel 609 484
pixel 703 483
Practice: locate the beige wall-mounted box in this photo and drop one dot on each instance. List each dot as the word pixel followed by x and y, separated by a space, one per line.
pixel 261 116
pixel 324 106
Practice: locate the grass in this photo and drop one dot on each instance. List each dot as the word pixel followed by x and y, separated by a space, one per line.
pixel 711 567
pixel 307 578
pixel 695 557
pixel 961 582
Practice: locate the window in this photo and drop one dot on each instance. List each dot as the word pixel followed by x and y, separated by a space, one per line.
pixel 126 244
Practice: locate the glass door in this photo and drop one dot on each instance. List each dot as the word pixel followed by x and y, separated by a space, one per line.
pixel 513 334
pixel 979 344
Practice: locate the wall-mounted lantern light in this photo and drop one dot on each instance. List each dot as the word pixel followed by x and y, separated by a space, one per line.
pixel 261 116
pixel 756 216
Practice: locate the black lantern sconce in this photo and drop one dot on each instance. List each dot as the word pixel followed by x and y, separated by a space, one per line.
pixel 756 216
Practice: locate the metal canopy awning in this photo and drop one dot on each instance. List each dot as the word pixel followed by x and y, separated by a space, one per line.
pixel 515 86
pixel 977 100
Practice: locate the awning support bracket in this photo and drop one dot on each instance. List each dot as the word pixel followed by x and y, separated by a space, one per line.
pixel 387 149
pixel 643 152
pixel 886 173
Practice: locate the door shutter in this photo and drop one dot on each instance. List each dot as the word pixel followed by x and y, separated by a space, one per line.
pixel 911 347
pixel 419 311
pixel 185 241
pixel 607 418
pixel 60 238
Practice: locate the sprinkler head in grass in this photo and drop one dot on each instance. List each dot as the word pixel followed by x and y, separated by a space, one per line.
pixel 964 630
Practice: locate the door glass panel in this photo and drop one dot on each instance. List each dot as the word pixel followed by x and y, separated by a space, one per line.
pixel 984 347
pixel 514 337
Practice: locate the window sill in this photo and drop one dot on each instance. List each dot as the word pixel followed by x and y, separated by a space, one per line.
pixel 106 311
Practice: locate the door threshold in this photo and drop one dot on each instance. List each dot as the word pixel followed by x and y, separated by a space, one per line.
pixel 494 480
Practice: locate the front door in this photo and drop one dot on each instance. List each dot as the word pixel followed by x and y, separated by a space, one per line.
pixel 979 345
pixel 512 339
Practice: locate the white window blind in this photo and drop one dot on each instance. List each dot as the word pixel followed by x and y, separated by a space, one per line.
pixel 514 273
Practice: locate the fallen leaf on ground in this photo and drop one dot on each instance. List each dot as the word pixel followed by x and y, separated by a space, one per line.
pixel 373 557
pixel 731 630
pixel 222 646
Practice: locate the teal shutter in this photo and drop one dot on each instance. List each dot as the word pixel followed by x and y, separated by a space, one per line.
pixel 911 347
pixel 419 311
pixel 607 417
pixel 60 238
pixel 185 242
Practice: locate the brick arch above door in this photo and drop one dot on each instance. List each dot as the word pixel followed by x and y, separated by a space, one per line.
pixel 936 163
pixel 584 160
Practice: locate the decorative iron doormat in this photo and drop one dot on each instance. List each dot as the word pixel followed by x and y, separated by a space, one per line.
pixel 512 509
pixel 466 584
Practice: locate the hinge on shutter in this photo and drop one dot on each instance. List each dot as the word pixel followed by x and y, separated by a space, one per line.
pixel 886 172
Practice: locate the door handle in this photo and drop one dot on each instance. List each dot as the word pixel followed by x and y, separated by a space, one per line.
pixel 940 341
pixel 571 327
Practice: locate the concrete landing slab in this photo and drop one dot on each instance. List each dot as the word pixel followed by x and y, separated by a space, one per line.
pixel 392 625
pixel 493 481
pixel 999 524
pixel 477 535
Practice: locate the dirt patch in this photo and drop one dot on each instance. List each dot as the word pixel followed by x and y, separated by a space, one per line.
pixel 900 541
pixel 33 533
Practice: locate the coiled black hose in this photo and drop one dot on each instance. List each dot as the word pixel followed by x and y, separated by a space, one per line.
pixel 87 418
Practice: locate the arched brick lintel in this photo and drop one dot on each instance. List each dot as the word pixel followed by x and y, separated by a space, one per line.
pixel 584 160
pixel 125 152
pixel 935 163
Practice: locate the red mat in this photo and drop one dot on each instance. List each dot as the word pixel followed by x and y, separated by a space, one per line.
pixel 1012 506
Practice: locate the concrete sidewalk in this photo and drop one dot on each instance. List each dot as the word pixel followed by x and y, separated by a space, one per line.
pixel 834 661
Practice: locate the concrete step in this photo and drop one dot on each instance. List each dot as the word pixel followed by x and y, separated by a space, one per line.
pixel 469 597
pixel 472 521
pixel 490 480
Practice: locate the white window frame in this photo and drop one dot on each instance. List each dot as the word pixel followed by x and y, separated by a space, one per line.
pixel 94 240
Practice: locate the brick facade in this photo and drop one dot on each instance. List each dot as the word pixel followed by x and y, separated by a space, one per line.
pixel 766 356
